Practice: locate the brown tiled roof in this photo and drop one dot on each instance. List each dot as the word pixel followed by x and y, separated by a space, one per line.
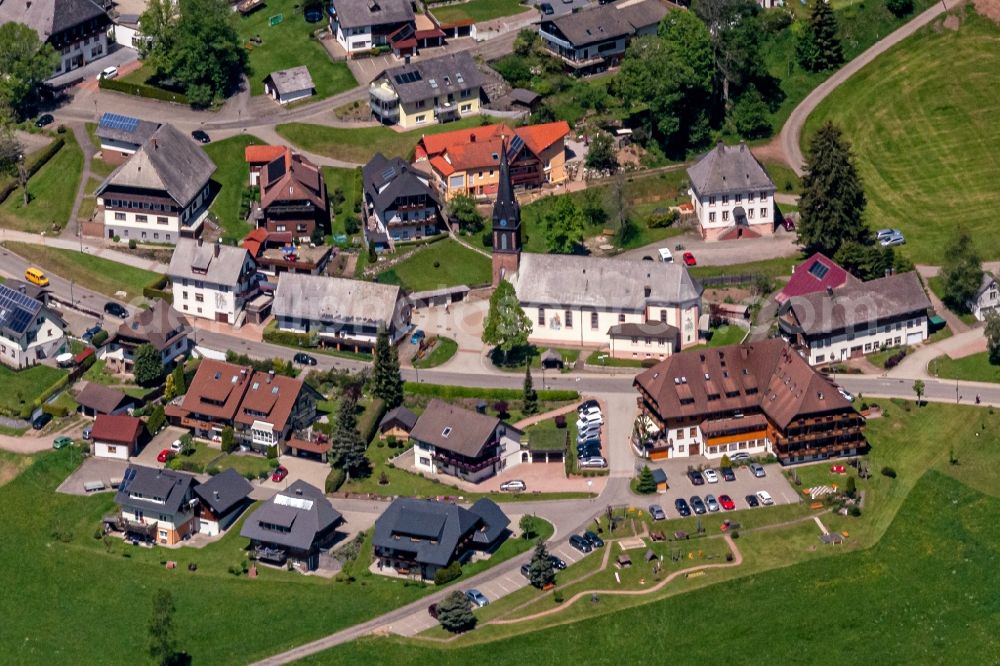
pixel 102 399
pixel 273 396
pixel 767 375
pixel 116 429
pixel 452 428
pixel 160 326
pixel 291 177
pixel 217 389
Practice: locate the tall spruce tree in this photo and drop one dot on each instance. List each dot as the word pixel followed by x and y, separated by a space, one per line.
pixel 530 394
pixel 833 198
pixel 348 450
pixel 386 379
pixel 540 570
pixel 819 47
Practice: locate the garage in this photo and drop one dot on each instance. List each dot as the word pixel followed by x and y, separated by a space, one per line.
pixel 914 338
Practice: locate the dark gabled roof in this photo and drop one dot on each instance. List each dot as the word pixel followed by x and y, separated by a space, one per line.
pixel 729 169
pixel 170 162
pixel 102 399
pixel 386 180
pixel 606 22
pixel 399 416
pixel 452 428
pixel 116 127
pixel 158 490
pixel 302 512
pixel 659 476
pixel 224 491
pixel 160 325
pixel 291 80
pixel 651 329
pixel 48 17
pixel 435 77
pixel 858 304
pixel 432 531
pixel 17 312
pixel 363 13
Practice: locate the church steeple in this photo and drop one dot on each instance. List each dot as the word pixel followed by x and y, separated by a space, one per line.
pixel 506 223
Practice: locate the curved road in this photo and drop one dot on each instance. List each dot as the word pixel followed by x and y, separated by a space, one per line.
pixel 791 134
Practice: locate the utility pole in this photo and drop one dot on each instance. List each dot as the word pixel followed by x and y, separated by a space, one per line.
pixel 22 175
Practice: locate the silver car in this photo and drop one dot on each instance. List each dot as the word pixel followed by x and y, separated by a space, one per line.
pixel 711 503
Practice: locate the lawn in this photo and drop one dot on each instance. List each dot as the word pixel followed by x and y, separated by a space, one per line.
pixel 925 137
pixel 444 349
pixel 773 268
pixel 478 10
pixel 347 182
pixel 724 335
pixel 23 387
pixel 232 176
pixel 52 191
pixel 973 368
pixel 359 144
pixel 443 264
pixel 602 358
pixel 97 274
pixel 291 44
pixel 786 180
pixel 99 167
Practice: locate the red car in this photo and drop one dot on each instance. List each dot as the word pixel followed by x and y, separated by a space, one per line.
pixel 727 502
pixel 280 472
pixel 164 455
pixel 689 259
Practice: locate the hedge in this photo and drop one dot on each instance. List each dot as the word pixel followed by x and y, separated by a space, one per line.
pixel 334 480
pixel 370 420
pixel 36 162
pixel 453 392
pixel 142 90
pixel 447 574
pixel 157 289
pixel 56 411
pixel 45 395
pixel 99 338
pixel 289 338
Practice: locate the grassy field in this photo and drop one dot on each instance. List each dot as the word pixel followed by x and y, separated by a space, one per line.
pixel 974 368
pixel 233 177
pixel 443 264
pixel 441 353
pixel 925 137
pixel 359 144
pixel 52 191
pixel 23 387
pixel 101 275
pixel 478 10
pixel 290 44
pixel 774 268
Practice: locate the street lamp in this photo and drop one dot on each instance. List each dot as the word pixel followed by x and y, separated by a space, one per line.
pixel 22 176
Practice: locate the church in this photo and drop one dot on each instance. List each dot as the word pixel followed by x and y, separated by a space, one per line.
pixel 631 309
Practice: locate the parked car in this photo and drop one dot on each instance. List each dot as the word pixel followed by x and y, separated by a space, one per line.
pixel 711 476
pixel 164 455
pixel 280 472
pixel 665 256
pixel 788 223
pixel 752 501
pixel 557 563
pixel 727 473
pixel 44 119
pixel 176 446
pixel 87 431
pixel 697 505
pixel 593 539
pixel 547 9
pixel 417 336
pixel 590 413
pixel 889 241
pixel 848 396
pixel 765 497
pixel 712 503
pixel 656 512
pixel 588 431
pixel 696 478
pixel 42 421
pixel 304 359
pixel 513 486
pixel 581 544
pixel 589 442
pixel 884 233
pixel 741 456
pixel 89 334
pixel 586 453
pixel 526 570
pixel 689 259
pixel 477 598
pixel 682 507
pixel 587 404
pixel 115 310
pixel 200 136
pixel 594 462
pixel 432 610
pixel 108 73
pixel 758 470
pixel 727 502
pixel 587 419
pixel 61 442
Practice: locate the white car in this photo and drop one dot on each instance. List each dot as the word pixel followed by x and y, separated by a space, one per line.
pixel 848 396
pixel 590 412
pixel 711 475
pixel 584 422
pixel 108 73
pixel 176 445
pixel 665 256
pixel 765 497
pixel 597 462
pixel 513 486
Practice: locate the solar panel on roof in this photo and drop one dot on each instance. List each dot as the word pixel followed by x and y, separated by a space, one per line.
pixel 407 77
pixel 515 145
pixel 434 84
pixel 127 480
pixel 17 310
pixel 119 122
pixel 818 270
pixel 388 172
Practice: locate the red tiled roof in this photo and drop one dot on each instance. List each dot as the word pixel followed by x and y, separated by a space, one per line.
pixel 479 147
pixel 311 447
pixel 263 154
pixel 438 143
pixel 817 273
pixel 272 397
pixel 116 429
pixel 540 137
pixel 254 240
pixel 217 389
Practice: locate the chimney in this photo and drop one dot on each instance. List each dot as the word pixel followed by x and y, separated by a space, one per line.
pixel 216 494
pixel 829 291
pixel 200 241
pixel 647 290
pixel 298 491
pixel 270 376
pixel 218 246
pixel 23 289
pixel 472 137
pixel 156 146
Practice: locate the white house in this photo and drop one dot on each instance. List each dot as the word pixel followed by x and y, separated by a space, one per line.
pixel 160 193
pixel 360 25
pixel 468 445
pixel 116 436
pixel 155 505
pixel 221 501
pixel 856 319
pixel 29 331
pixel 212 281
pixel 732 195
pixel 76 29
pixel 289 85
pixel 987 298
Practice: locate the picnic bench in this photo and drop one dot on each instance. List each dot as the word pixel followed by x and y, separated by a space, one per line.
pixel 657 536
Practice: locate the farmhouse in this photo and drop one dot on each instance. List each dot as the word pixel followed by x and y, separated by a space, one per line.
pixel 29 331
pixel 122 136
pixel 399 203
pixel 211 280
pixel 289 85
pixel 987 298
pixel 76 29
pixel 438 89
pixel 732 195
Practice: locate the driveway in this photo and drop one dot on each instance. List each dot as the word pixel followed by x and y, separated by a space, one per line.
pixel 93 469
pixel 163 439
pixel 746 483
pixel 724 253
pixel 366 69
pixel 310 471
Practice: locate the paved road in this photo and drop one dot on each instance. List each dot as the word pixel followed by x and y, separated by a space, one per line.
pixel 791 133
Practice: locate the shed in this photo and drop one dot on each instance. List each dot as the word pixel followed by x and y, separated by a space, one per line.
pixel 624 560
pixel 289 85
pixel 397 423
pixel 116 436
pixel 650 555
pixel 660 477
pixel 552 359
pixel 97 399
pixel 523 97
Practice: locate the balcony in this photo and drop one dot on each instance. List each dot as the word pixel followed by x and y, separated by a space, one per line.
pixel 270 554
pixel 384 95
pixel 465 464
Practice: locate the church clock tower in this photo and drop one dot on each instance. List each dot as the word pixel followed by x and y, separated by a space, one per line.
pixel 506 225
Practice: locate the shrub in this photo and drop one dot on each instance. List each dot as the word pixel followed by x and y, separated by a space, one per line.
pixel 55 411
pixel 132 244
pixel 454 392
pixel 334 480
pixel 99 338
pixel 899 8
pixel 272 452
pixel 557 596
pixel 156 420
pixel 351 225
pixel 560 420
pixel 447 574
pixel 116 238
pixel 192 566
pixel 889 472
pixel 895 359
pixel 142 90
pixel 662 219
pixel 855 511
pixel 649 362
pixel 213 470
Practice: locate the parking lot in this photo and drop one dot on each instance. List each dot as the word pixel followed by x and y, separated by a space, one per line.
pixel 91 470
pixel 680 486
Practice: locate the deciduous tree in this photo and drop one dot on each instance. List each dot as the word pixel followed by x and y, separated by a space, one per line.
pixel 387 382
pixel 25 63
pixel 601 153
pixel 147 365
pixel 833 198
pixel 750 115
pixel 962 272
pixel 918 388
pixel 463 209
pixel 455 613
pixel 529 526
pixel 735 33
pixel 564 225
pixel 619 207
pixel 540 570
pixel 228 439
pixel 993 337
pixel 506 325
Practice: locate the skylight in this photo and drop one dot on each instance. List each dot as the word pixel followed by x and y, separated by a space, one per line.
pixel 818 270
pixel 446 431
